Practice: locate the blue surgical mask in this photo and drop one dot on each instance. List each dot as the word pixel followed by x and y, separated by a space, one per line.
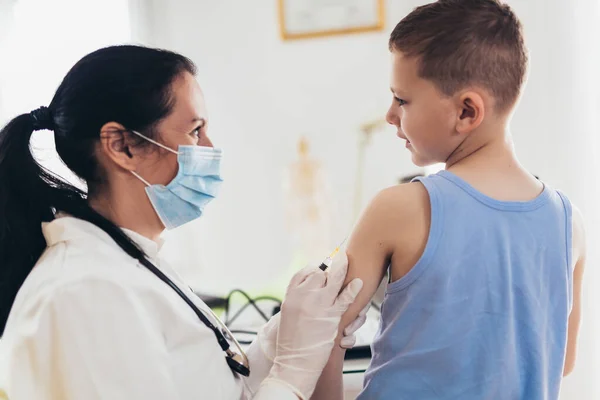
pixel 196 184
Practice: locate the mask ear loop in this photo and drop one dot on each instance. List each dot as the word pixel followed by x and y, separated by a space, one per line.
pixel 140 178
pixel 155 142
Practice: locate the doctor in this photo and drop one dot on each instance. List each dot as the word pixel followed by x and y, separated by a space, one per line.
pixel 87 308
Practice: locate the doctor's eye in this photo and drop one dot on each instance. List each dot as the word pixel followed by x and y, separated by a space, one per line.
pixel 196 132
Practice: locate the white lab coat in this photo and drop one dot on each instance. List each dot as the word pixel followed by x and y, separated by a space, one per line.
pixel 91 323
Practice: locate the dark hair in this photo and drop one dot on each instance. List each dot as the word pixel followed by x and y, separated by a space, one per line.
pixel 464 42
pixel 130 85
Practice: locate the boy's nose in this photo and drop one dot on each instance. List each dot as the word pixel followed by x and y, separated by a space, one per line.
pixel 391 117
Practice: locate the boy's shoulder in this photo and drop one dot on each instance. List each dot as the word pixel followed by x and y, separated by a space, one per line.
pixel 400 217
pixel 404 197
pixel 398 207
pixel 400 212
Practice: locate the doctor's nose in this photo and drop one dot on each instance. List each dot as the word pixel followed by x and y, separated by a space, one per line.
pixel 204 141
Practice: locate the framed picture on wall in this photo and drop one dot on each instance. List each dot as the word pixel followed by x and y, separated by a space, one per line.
pixel 300 19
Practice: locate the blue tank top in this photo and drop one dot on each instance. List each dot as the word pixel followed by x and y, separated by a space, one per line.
pixel 483 314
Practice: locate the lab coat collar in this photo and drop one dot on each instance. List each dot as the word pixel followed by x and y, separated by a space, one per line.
pixel 150 247
pixel 65 228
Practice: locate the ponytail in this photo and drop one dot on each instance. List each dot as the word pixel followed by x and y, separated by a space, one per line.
pixel 30 195
pixel 24 204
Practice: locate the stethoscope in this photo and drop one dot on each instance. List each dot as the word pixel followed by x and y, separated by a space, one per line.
pixel 238 362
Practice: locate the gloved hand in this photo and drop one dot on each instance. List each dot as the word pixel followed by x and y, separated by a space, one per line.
pixel 267 335
pixel 349 339
pixel 309 320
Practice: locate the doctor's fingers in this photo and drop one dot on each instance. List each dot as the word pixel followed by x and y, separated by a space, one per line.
pixel 348 342
pixel 348 295
pixel 355 325
pixel 301 275
pixel 314 281
pixel 359 321
pixel 336 275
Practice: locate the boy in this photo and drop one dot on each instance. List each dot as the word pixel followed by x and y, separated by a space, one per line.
pixel 486 261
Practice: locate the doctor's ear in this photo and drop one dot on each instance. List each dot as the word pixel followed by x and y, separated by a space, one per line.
pixel 120 146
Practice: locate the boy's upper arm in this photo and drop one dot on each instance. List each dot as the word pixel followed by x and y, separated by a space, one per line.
pixel 390 217
pixel 579 258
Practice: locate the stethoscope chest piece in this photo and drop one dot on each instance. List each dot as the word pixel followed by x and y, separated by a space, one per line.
pixel 236 363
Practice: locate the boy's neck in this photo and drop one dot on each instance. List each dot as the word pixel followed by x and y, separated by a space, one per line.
pixel 487 160
pixel 490 145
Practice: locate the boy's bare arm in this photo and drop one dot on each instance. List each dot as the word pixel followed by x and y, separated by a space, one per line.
pixel 579 256
pixel 388 222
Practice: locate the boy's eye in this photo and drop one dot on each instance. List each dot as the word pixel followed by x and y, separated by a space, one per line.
pixel 399 101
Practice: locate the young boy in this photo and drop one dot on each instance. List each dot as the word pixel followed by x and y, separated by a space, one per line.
pixel 486 261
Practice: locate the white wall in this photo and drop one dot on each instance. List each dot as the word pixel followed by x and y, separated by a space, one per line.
pixel 38 47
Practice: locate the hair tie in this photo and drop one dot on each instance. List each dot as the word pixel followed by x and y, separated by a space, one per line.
pixel 42 119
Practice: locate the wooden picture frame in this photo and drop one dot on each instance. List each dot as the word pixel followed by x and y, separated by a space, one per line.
pixel 303 19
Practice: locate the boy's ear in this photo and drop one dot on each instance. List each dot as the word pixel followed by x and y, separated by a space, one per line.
pixel 471 110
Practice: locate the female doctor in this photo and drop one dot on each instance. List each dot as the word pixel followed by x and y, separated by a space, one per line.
pixel 87 308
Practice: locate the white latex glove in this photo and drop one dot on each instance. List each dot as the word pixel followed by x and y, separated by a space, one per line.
pixel 267 335
pixel 310 316
pixel 261 352
pixel 349 339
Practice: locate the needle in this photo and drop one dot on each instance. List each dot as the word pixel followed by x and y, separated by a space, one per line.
pixel 327 262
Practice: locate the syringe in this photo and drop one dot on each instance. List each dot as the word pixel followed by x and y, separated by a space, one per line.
pixel 329 260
